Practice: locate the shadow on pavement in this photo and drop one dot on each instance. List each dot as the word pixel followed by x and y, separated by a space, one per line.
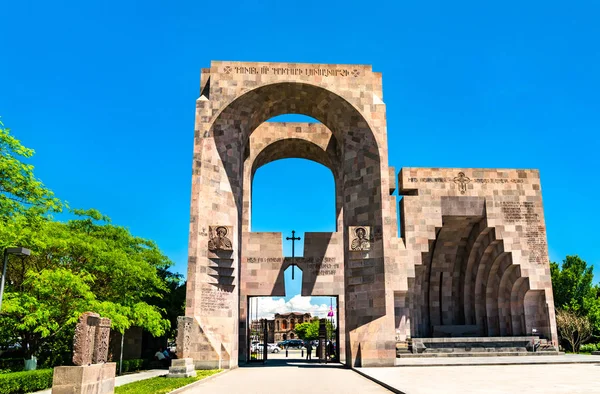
pixel 298 363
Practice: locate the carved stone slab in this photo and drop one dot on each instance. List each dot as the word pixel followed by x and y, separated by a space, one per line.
pixel 219 238
pixel 101 341
pixel 184 332
pixel 359 238
pixel 84 338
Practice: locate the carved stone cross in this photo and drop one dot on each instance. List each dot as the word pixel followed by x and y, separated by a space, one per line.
pixel 462 181
pixel 293 239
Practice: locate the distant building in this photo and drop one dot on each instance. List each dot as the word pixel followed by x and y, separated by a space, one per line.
pixel 282 326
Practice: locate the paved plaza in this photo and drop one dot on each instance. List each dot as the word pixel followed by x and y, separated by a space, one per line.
pixel 492 379
pixel 290 378
pixel 574 374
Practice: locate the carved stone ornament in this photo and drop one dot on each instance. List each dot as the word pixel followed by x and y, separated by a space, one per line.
pixel 219 238
pixel 90 342
pixel 360 238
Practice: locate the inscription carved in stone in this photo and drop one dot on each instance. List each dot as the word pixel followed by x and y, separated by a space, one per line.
pixel 219 238
pixel 524 212
pixel 214 299
pixel 360 238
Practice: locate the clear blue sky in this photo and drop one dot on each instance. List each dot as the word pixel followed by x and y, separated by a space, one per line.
pixel 105 93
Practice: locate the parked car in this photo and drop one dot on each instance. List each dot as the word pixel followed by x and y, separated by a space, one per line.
pixel 294 343
pixel 271 348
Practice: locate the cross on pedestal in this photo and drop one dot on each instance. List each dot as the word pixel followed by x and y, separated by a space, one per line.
pixel 293 239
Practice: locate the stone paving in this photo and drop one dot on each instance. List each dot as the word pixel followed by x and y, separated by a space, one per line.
pixel 497 360
pixel 491 379
pixel 290 378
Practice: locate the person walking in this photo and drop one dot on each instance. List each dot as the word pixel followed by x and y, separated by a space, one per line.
pixel 308 351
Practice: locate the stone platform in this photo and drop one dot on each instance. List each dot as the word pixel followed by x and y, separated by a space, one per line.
pixel 84 379
pixel 478 346
pixel 182 368
pixel 531 358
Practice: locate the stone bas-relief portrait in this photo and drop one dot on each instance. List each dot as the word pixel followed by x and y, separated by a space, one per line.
pixel 359 238
pixel 219 238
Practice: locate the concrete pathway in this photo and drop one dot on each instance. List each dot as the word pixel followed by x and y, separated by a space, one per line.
pixel 294 377
pixel 491 379
pixel 497 360
pixel 130 378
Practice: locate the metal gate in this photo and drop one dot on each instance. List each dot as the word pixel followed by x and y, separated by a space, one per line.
pixel 257 341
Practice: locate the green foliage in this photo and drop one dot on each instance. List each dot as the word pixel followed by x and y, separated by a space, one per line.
pixel 12 364
pixel 132 365
pixel 310 331
pixel 19 189
pixel 85 264
pixel 589 347
pixel 573 289
pixel 26 381
pixel 573 329
pixel 161 384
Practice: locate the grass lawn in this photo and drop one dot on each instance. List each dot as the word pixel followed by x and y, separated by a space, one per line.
pixel 161 384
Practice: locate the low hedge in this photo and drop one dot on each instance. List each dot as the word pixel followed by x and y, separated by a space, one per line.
pixel 26 381
pixel 589 347
pixel 132 365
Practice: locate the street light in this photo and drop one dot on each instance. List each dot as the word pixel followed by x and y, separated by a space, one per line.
pixel 7 251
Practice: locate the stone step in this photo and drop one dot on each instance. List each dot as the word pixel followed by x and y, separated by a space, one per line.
pixel 476 354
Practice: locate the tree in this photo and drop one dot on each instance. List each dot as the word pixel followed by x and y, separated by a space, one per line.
pixel 573 289
pixel 573 328
pixel 84 264
pixel 20 190
pixel 309 331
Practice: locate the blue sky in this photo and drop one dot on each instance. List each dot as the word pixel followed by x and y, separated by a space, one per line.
pixel 105 93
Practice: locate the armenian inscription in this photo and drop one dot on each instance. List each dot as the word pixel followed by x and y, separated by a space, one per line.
pixel 316 265
pixel 214 299
pixel 515 211
pixel 298 71
pixel 534 234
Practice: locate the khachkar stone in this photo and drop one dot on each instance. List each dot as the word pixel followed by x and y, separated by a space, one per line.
pixel 92 374
pixel 184 335
pixel 471 256
pixel 85 338
pixel 101 341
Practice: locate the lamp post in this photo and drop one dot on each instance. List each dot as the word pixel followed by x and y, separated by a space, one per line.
pixel 7 251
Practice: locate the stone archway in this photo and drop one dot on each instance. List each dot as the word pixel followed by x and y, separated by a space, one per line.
pixel 472 249
pixel 228 114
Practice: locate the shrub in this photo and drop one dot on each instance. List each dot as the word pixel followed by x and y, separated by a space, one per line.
pixel 589 347
pixel 132 365
pixel 26 381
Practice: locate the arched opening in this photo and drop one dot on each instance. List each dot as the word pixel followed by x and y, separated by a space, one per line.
pixel 284 198
pixel 351 151
pixel 293 194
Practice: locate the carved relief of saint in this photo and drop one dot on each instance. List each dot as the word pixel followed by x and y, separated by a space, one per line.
pixel 361 241
pixel 218 239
